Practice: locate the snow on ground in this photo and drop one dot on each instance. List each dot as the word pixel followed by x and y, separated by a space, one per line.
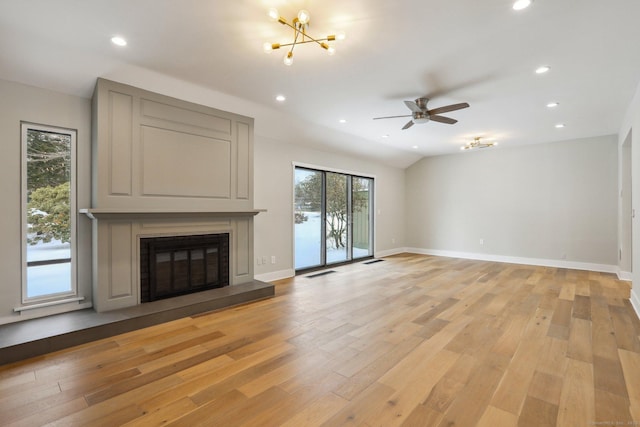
pixel 48 279
pixel 307 241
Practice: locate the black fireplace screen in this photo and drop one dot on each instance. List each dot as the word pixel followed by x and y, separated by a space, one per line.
pixel 178 265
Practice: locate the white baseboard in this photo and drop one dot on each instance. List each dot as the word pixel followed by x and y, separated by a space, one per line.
pixel 625 275
pixel 574 265
pixel 389 252
pixel 275 275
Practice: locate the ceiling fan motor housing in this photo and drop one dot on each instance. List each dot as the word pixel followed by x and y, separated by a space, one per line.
pixel 422 103
pixel 421 117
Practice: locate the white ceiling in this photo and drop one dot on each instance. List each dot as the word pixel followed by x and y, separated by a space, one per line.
pixel 476 51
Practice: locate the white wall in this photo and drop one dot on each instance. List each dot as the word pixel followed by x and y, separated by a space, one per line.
pixel 631 125
pixel 541 202
pixel 274 192
pixel 25 103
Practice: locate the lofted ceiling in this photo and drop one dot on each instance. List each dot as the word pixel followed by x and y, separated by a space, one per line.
pixel 480 52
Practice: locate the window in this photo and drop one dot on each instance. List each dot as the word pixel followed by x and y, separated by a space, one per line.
pixel 333 218
pixel 48 212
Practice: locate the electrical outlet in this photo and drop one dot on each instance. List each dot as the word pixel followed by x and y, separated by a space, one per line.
pixel 258 261
pixel 273 259
pixel 481 242
pixel 393 240
pixel 264 260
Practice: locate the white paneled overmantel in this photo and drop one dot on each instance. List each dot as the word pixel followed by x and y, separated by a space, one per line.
pixel 157 152
pixel 164 167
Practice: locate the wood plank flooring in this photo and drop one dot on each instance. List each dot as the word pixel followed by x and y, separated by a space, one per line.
pixel 411 341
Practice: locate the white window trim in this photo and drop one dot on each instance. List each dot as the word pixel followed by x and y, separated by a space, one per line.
pixel 45 299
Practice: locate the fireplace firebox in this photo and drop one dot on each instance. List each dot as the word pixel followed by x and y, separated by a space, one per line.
pixel 179 265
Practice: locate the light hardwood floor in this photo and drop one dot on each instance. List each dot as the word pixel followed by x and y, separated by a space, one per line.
pixel 413 340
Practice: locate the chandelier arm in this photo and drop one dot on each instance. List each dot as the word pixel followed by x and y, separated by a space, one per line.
pixel 302 42
pixel 304 35
pixel 295 38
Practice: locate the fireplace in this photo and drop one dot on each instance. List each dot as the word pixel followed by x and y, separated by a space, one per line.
pixel 179 265
pixel 166 167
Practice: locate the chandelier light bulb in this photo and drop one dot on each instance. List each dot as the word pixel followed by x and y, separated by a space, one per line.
pixel 273 14
pixel 288 58
pixel 331 50
pixel 341 36
pixel 303 17
pixel 267 47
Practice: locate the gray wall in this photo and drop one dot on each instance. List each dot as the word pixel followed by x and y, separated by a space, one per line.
pixel 549 201
pixel 25 103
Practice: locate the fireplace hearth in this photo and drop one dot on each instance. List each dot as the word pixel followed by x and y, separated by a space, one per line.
pixel 179 265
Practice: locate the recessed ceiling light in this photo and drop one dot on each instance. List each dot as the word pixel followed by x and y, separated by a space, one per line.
pixel 342 121
pixel 118 41
pixel 552 104
pixel 559 125
pixel 385 136
pixel 543 69
pixel 521 4
pixel 281 98
pixel 415 147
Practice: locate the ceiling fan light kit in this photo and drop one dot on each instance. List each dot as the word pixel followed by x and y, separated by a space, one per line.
pixel 299 25
pixel 477 144
pixel 420 114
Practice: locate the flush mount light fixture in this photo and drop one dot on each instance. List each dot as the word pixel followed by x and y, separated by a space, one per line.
pixel 559 125
pixel 281 98
pixel 118 41
pixel 521 4
pixel 552 104
pixel 477 144
pixel 299 25
pixel 542 69
pixel 343 120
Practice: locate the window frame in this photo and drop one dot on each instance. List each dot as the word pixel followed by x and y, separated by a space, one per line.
pixel 25 127
pixel 372 197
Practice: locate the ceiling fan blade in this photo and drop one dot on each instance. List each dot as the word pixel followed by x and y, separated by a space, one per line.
pixel 391 117
pixel 408 125
pixel 413 106
pixel 443 119
pixel 448 108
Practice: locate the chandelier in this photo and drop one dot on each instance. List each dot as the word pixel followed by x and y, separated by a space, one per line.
pixel 299 25
pixel 477 144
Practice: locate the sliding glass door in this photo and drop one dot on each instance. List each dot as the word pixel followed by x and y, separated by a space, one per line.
pixel 336 217
pixel 361 192
pixel 333 218
pixel 309 224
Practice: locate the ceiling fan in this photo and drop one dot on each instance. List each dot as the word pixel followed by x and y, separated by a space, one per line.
pixel 420 114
